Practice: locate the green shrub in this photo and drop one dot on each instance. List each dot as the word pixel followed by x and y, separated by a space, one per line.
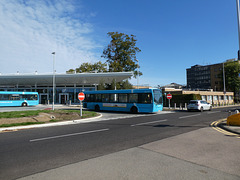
pixel 181 99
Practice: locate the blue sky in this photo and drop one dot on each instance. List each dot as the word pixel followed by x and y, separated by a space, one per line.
pixel 172 34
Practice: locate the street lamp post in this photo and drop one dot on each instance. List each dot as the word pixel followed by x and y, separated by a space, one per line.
pixel 224 85
pixel 53 53
pixel 137 73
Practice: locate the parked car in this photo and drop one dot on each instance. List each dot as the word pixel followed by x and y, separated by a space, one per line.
pixel 199 105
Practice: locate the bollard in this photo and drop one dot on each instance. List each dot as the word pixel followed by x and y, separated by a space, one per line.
pixel 175 106
pixel 229 113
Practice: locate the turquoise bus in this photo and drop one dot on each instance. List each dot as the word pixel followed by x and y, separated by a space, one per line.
pixel 131 100
pixel 12 98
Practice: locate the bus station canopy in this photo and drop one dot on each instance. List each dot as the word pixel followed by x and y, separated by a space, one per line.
pixel 63 79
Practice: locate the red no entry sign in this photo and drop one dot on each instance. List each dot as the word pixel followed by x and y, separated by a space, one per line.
pixel 169 96
pixel 81 96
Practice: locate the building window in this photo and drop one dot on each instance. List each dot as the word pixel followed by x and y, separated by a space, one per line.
pixel 209 98
pixel 204 98
pixel 220 97
pixel 225 97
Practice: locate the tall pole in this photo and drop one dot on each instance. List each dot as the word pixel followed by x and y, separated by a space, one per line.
pixel 53 53
pixel 238 28
pixel 224 85
pixel 137 73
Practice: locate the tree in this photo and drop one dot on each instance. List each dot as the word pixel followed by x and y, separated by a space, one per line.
pixel 113 85
pixel 88 67
pixel 119 85
pixel 121 53
pixel 232 70
pixel 126 85
pixel 101 85
pixel 70 71
pixel 85 67
pixel 99 67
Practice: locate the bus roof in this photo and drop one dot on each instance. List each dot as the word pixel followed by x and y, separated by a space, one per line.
pixel 120 91
pixel 17 92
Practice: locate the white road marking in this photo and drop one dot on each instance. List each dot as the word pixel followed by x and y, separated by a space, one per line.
pixel 189 116
pixel 137 115
pixel 67 135
pixel 213 112
pixel 149 122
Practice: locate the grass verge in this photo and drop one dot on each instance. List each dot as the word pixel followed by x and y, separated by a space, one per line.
pixel 20 124
pixel 61 115
pixel 19 114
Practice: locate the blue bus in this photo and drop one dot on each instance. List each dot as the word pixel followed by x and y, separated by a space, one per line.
pixel 131 100
pixel 12 98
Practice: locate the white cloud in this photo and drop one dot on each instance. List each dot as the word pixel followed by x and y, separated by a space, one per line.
pixel 31 30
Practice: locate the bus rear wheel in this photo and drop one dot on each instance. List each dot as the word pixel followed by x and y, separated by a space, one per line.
pixel 24 104
pixel 97 108
pixel 134 110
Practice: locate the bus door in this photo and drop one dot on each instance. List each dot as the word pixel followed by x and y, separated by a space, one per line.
pixel 63 98
pixel 44 97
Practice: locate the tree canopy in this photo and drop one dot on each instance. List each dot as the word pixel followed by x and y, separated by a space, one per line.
pixel 121 53
pixel 121 57
pixel 88 67
pixel 232 70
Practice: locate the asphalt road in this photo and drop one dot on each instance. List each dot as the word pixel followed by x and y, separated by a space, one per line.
pixel 31 151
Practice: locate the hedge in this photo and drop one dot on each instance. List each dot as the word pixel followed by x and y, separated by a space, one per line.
pixel 180 99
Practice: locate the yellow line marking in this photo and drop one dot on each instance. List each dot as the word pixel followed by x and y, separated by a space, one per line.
pixel 214 125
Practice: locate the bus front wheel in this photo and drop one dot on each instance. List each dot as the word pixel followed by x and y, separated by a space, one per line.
pixel 134 110
pixel 24 104
pixel 97 108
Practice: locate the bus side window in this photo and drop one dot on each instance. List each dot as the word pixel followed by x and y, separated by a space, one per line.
pixel 105 97
pixel 15 97
pixel 98 97
pixel 92 97
pixel 4 97
pixel 113 98
pixel 133 98
pixel 87 98
pixel 145 98
pixel 24 97
pixel 123 98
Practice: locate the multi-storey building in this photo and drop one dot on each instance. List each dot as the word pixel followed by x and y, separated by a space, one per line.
pixel 205 77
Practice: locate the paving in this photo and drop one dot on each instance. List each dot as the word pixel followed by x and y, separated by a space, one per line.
pixel 201 154
pixel 233 129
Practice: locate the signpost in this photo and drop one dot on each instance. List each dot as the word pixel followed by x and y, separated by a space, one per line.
pixel 169 96
pixel 81 97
